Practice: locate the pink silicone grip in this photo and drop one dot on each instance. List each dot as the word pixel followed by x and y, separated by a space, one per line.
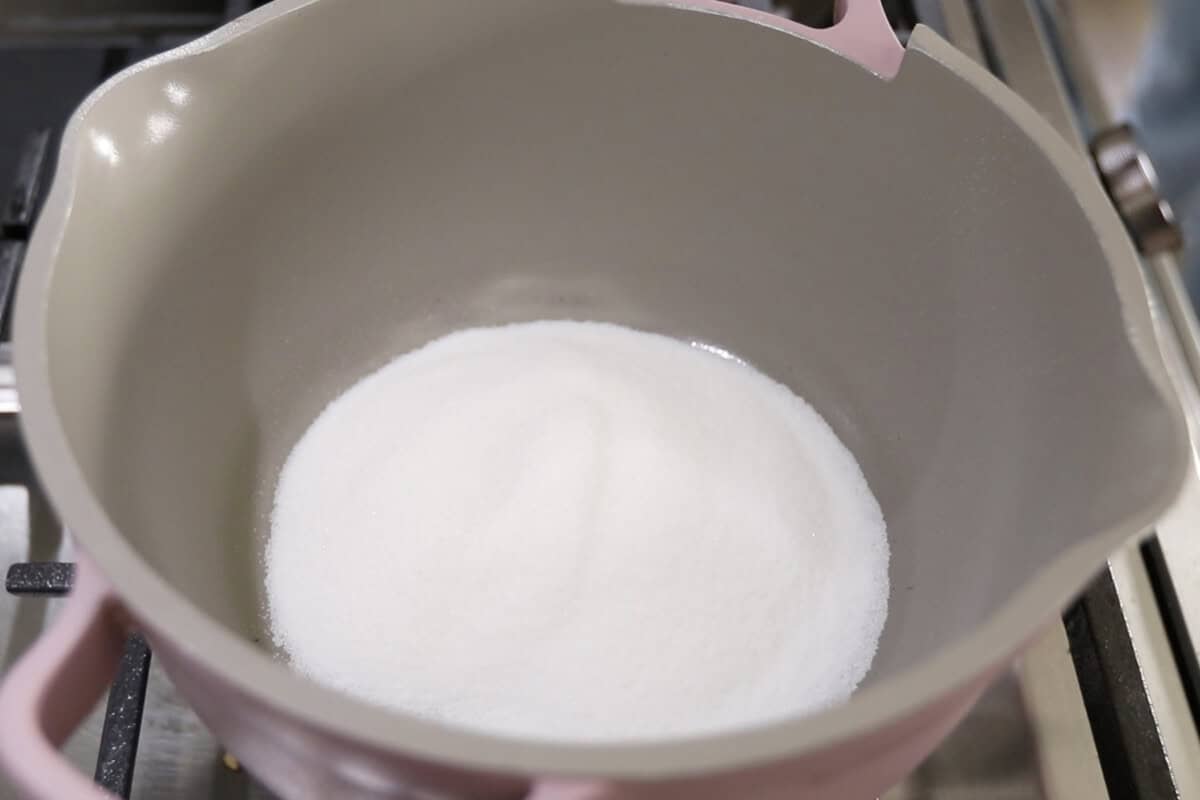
pixel 862 32
pixel 54 686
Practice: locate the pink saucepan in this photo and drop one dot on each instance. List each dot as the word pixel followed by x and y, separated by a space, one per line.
pixel 244 226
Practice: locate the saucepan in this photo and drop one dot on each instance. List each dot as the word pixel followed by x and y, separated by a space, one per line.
pixel 241 228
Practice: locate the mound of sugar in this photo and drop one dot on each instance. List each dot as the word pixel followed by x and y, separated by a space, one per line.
pixel 577 531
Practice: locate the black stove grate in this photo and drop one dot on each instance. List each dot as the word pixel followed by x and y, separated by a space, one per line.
pixel 127 697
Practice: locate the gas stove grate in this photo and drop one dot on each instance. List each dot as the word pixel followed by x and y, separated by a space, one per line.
pixel 126 698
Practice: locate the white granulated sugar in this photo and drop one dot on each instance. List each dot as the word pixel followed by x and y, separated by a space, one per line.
pixel 577 531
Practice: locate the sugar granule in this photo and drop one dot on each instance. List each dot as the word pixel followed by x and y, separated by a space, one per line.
pixel 577 531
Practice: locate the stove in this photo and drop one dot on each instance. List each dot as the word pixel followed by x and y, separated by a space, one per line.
pixel 1105 704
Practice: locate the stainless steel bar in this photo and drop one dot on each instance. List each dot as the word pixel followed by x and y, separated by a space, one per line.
pixel 958 17
pixel 1020 45
pixel 1024 35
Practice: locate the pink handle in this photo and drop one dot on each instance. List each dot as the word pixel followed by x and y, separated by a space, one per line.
pixel 54 686
pixel 862 32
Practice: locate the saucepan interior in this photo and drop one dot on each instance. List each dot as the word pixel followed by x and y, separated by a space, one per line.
pixel 257 227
